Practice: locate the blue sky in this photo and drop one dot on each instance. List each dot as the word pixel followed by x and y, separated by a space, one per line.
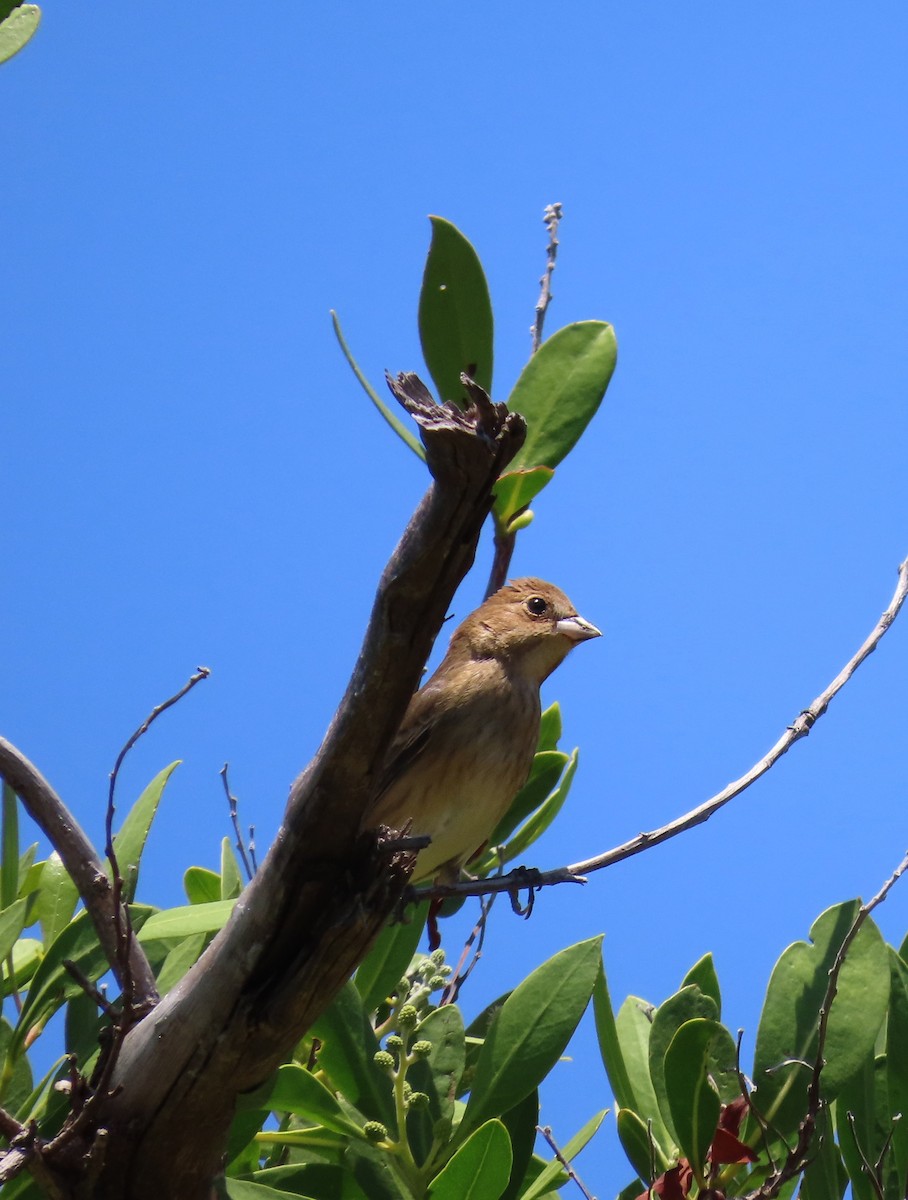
pixel 191 474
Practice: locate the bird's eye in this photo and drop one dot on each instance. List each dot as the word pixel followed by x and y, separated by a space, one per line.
pixel 537 606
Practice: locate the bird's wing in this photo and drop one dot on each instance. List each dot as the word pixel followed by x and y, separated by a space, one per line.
pixel 410 743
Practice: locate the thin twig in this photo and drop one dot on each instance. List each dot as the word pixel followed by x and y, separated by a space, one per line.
pixel 460 976
pixel 138 995
pixel 577 872
pixel 865 1162
pixel 504 542
pixel 551 218
pixel 546 1132
pixel 89 989
pixel 234 806
pixel 200 674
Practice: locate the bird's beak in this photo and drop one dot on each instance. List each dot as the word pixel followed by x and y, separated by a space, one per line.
pixel 577 629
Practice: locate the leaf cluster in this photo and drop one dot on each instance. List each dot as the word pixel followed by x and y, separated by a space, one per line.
pixel 690 1120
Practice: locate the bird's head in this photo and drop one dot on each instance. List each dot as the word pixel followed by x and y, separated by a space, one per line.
pixel 529 625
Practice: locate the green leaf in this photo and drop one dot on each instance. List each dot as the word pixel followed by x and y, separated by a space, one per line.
pixel 560 389
pixel 455 314
pixel 480 1168
pixel 633 1025
pixel 632 1190
pixel 30 872
pixel 787 1033
pixel 201 885
pixel 825 1177
pixel 57 899
pixel 129 842
pixel 520 1122
pixel 18 29
pixel 683 1006
pixel 9 853
pixel 609 1045
pixel 19 1085
pixel 231 879
pixel 862 1101
pixel 27 954
pixel 443 1027
pixel 703 975
pixel 12 922
pixel 698 1053
pixel 531 1031
pixel 550 728
pixel 897 1058
pixel 376 1174
pixel 643 1152
pixel 514 491
pixel 570 1150
pixel 476 1034
pixel 82 1026
pixel 243 1189
pixel 186 920
pixel 535 826
pixel 293 1089
pixel 178 961
pixel 382 968
pixel 548 766
pixel 390 416
pixel 52 984
pixel 346 1055
pixel 327 1181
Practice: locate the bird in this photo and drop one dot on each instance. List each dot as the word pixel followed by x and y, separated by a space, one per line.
pixel 466 744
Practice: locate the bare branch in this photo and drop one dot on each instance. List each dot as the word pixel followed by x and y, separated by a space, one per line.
pixel 504 543
pixel 200 674
pixel 546 1132
pixel 577 872
pixel 464 969
pixel 234 805
pixel 551 218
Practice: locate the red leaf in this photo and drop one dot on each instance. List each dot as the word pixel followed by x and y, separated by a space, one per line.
pixel 726 1148
pixel 733 1114
pixel 673 1184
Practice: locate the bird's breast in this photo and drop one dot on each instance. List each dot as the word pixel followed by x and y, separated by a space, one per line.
pixel 477 756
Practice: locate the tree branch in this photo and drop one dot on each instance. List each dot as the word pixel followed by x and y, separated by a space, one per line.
pixel 325 890
pixel 79 857
pixel 576 873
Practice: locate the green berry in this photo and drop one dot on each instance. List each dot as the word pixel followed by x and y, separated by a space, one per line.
pixel 421 1049
pixel 375 1131
pixel 418 1100
pixel 384 1060
pixel 394 1042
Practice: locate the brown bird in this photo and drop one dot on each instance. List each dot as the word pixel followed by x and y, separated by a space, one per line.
pixel 467 740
